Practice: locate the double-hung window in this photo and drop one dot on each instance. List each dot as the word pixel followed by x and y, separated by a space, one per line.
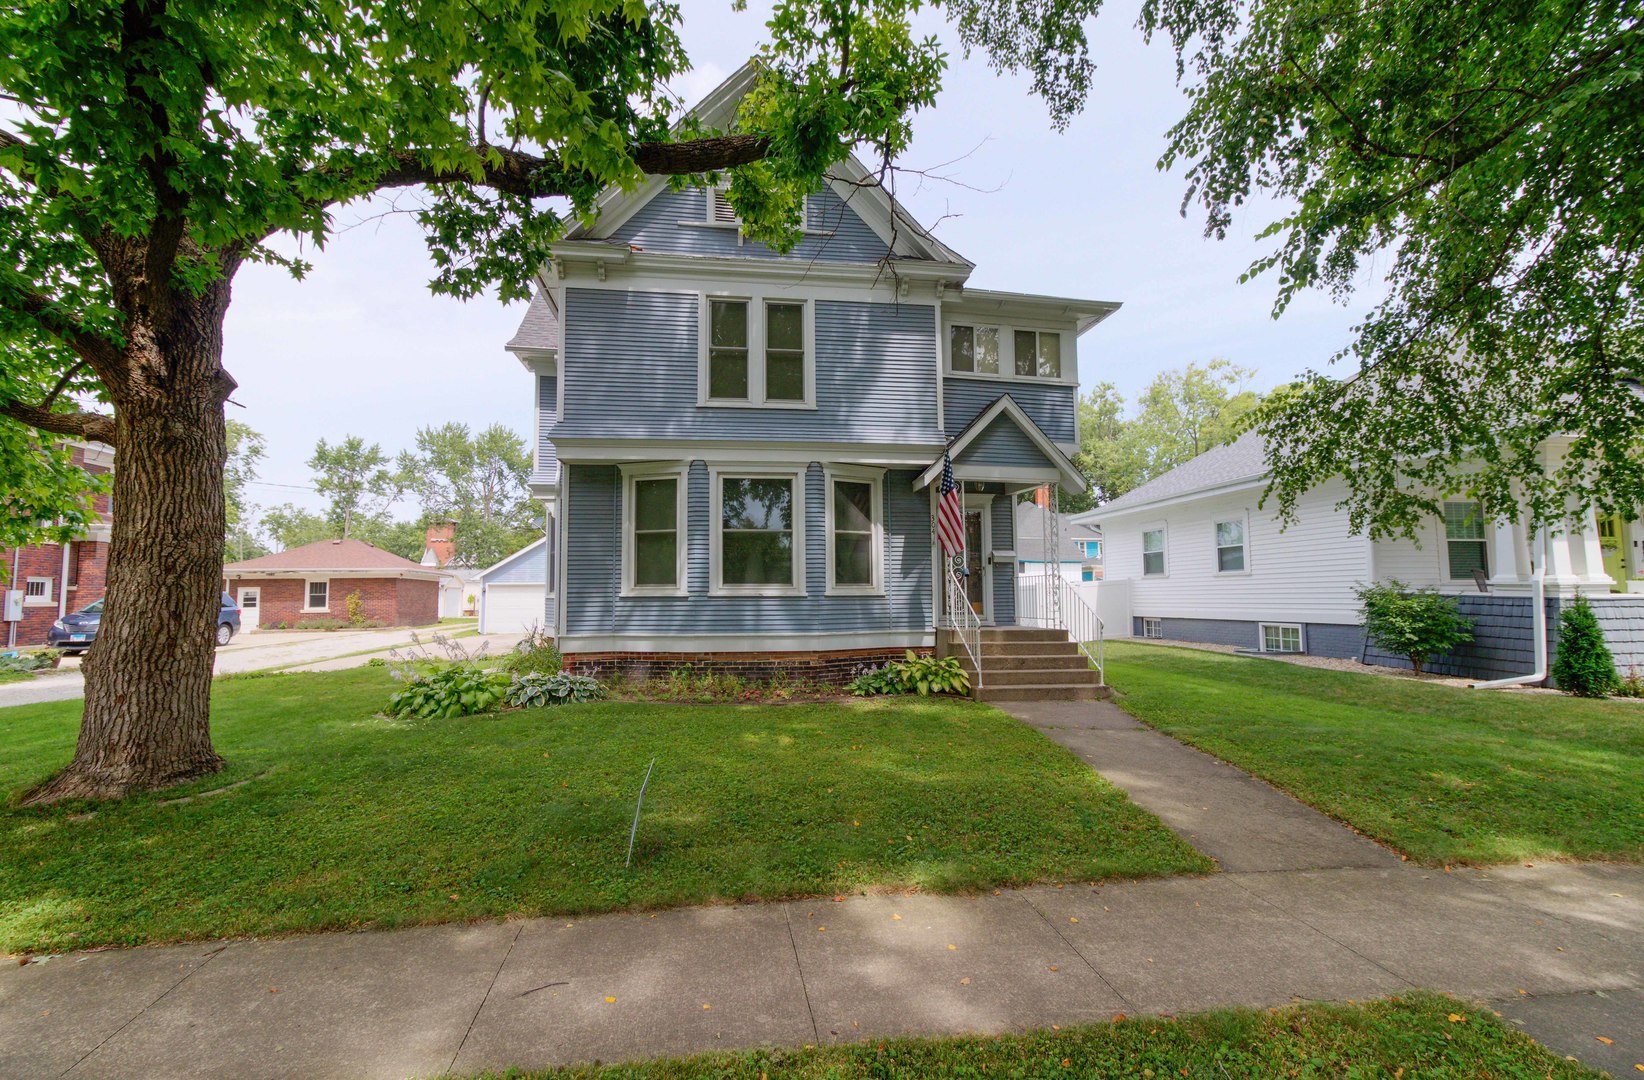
pixel 1230 546
pixel 758 539
pixel 653 533
pixel 1464 539
pixel 855 531
pixel 1153 552
pixel 973 350
pixel 757 352
pixel 1038 354
pixel 317 596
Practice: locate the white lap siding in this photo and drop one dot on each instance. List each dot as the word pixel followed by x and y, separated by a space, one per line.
pixel 1302 574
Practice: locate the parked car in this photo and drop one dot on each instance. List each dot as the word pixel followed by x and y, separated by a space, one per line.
pixel 75 632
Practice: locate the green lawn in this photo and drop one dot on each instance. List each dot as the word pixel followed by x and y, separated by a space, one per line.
pixel 1443 774
pixel 349 820
pixel 1420 1035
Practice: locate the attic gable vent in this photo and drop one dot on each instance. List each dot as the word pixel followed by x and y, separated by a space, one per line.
pixel 720 211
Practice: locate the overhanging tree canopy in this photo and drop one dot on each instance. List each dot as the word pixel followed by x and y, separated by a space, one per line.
pixel 1488 159
pixel 151 148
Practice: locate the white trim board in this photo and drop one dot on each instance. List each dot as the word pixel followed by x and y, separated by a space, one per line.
pixel 755 643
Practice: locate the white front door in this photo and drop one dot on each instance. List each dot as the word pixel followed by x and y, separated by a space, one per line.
pixel 250 605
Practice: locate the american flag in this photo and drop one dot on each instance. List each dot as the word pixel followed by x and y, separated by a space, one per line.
pixel 950 513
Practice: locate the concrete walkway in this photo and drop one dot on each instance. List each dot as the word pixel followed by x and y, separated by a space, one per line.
pixel 1313 916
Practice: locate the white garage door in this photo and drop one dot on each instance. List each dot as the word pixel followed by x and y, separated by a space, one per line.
pixel 512 609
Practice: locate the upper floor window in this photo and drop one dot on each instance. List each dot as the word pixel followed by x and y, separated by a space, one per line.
pixel 1004 352
pixel 758 538
pixel 1039 354
pixel 1464 539
pixel 1153 552
pixel 1230 546
pixel 974 349
pixel 757 352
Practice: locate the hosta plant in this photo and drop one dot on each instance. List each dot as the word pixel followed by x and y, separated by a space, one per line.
pixel 456 690
pixel 923 675
pixel 539 689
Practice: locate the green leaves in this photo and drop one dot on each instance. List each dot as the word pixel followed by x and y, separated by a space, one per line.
pixel 1478 167
pixel 1413 623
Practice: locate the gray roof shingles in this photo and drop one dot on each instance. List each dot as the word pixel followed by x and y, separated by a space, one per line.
pixel 1245 458
pixel 539 329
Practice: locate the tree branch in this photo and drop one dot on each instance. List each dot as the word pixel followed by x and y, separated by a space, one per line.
pixel 82 425
pixel 90 346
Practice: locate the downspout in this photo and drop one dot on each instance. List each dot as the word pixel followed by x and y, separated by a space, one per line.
pixel 1538 619
pixel 16 567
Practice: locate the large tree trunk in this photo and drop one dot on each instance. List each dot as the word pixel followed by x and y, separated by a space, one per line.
pixel 148 675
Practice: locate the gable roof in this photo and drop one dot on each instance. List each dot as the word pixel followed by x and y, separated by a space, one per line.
pixel 334 557
pixel 851 181
pixel 539 329
pixel 509 560
pixel 1240 461
pixel 1005 406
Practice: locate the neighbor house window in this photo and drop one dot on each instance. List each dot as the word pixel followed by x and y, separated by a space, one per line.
pixel 1153 552
pixel 758 535
pixel 1230 546
pixel 757 352
pixel 855 531
pixel 37 590
pixel 1087 574
pixel 1279 638
pixel 1152 628
pixel 973 349
pixel 653 534
pixel 1464 539
pixel 319 596
pixel 1039 354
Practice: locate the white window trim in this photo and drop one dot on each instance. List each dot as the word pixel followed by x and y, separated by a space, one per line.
pixel 1450 578
pixel 716 521
pixel 1164 550
pixel 875 478
pixel 1156 621
pixel 307 584
pixel 1301 637
pixel 756 299
pixel 1216 551
pixel 1007 353
pixel 708 221
pixel 679 471
pixel 44 599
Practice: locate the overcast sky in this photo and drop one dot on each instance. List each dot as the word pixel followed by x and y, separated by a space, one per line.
pixel 362 347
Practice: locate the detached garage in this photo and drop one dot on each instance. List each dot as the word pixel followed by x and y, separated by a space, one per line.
pixel 513 594
pixel 310 585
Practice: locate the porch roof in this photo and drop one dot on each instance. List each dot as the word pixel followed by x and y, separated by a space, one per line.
pixel 1035 460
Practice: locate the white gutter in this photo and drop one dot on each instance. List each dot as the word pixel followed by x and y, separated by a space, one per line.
pixel 1538 620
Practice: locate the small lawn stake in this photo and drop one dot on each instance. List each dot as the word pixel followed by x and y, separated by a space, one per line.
pixel 637 805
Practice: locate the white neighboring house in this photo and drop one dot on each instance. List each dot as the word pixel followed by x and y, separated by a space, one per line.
pixel 513 595
pixel 1202 561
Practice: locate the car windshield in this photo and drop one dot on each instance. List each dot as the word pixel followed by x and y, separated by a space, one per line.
pixel 95 608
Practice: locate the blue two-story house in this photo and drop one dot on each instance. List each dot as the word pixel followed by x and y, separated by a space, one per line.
pixel 740 451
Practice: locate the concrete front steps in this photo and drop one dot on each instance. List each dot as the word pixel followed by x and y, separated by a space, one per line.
pixel 1027 664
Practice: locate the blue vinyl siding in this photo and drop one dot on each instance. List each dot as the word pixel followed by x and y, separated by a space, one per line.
pixel 526 567
pixel 656 227
pixel 875 373
pixel 1004 571
pixel 592 520
pixel 547 464
pixel 1051 406
pixel 1003 444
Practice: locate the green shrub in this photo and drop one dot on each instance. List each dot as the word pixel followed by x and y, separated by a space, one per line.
pixel 536 654
pixel 537 689
pixel 319 624
pixel 923 675
pixel 355 604
pixel 1584 666
pixel 1631 684
pixel 453 690
pixel 1412 623
pixel 25 662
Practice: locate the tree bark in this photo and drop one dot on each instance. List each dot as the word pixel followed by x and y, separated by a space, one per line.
pixel 148 674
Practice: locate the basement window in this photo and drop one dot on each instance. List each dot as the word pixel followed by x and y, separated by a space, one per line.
pixel 1281 638
pixel 1153 628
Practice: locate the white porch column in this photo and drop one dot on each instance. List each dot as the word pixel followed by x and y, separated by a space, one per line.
pixel 1505 552
pixel 1561 569
pixel 1591 553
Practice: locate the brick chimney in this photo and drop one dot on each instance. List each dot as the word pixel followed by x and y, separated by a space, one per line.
pixel 1041 495
pixel 442 542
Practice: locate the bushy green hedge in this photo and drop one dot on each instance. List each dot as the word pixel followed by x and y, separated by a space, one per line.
pixel 1413 623
pixel 1584 666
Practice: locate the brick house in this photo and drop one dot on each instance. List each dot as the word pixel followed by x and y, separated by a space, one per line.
pixel 313 582
pixel 56 579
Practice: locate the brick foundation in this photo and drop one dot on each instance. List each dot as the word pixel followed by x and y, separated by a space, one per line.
pixel 833 667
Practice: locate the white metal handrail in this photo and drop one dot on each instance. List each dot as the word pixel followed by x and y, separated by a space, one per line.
pixel 962 619
pixel 1055 603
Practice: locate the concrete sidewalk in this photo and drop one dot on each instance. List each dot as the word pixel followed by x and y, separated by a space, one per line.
pixel 1304 909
